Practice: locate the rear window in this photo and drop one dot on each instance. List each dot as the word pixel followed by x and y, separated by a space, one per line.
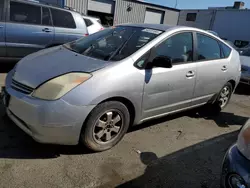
pixel 63 19
pixel 114 44
pixel 88 22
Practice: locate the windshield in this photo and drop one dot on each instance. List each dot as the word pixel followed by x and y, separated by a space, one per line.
pixel 113 44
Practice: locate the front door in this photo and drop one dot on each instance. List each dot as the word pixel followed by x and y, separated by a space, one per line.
pixel 2 30
pixel 211 69
pixel 29 29
pixel 171 89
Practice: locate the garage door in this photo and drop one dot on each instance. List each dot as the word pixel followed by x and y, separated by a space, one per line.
pixel 154 16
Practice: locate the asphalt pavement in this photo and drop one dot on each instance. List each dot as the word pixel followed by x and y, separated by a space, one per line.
pixel 183 150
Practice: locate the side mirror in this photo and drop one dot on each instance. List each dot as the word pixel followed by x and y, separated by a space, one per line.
pixel 162 61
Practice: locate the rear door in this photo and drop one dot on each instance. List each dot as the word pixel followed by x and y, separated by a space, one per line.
pixel 2 30
pixel 211 68
pixel 66 27
pixel 28 29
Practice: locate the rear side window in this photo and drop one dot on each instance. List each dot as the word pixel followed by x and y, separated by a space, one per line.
pixel 46 19
pixel 25 13
pixel 63 19
pixel 1 10
pixel 208 48
pixel 88 22
pixel 226 50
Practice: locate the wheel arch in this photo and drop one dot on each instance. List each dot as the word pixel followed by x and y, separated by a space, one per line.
pixel 130 106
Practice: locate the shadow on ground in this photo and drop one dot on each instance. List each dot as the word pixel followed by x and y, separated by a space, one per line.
pixel 198 166
pixel 6 66
pixel 222 119
pixel 16 144
pixel 243 89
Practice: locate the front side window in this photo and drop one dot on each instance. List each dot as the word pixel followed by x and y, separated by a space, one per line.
pixel 25 13
pixel 46 19
pixel 178 48
pixel 207 48
pixel 114 44
pixel 62 19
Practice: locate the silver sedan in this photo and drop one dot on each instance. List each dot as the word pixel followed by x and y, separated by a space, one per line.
pixel 93 89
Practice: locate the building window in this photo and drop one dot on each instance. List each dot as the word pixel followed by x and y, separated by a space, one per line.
pixel 191 17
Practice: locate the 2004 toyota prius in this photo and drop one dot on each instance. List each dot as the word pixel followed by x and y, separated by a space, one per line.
pixel 91 90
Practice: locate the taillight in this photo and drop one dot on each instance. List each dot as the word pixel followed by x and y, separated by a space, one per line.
pixel 101 29
pixel 86 35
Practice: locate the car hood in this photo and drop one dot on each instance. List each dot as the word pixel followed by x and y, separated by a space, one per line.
pixel 245 60
pixel 44 65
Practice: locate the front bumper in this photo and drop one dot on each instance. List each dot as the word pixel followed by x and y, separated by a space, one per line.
pixel 235 163
pixel 53 122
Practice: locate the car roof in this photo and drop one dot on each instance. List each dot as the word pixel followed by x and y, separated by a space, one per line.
pixel 90 17
pixel 161 27
pixel 38 3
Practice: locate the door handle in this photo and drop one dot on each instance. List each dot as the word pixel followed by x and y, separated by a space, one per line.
pixel 224 68
pixel 190 74
pixel 47 30
pixel 1 26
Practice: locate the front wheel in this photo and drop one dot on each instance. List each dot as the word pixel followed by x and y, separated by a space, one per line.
pixel 105 126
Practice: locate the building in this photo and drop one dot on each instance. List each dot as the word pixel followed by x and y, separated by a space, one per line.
pixel 229 22
pixel 122 11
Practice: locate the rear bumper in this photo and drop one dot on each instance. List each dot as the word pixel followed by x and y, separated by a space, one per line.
pixel 235 163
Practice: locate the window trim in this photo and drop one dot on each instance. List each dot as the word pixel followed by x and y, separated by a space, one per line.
pixel 51 20
pixel 8 13
pixel 218 42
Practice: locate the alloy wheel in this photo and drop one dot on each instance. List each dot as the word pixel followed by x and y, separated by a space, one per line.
pixel 108 126
pixel 224 96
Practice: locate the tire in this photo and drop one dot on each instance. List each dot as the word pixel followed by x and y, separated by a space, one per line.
pixel 218 105
pixel 103 123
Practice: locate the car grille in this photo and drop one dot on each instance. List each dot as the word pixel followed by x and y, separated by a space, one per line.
pixel 21 87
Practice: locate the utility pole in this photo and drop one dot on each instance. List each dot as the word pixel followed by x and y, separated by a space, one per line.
pixel 176 3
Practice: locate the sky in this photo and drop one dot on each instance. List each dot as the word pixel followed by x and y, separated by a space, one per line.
pixel 197 4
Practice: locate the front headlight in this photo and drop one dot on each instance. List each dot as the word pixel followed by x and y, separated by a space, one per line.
pixel 59 86
pixel 243 142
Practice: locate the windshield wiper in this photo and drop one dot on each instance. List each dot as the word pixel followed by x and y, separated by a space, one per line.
pixel 120 48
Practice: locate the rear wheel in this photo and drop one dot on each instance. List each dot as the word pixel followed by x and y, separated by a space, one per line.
pixel 223 97
pixel 105 126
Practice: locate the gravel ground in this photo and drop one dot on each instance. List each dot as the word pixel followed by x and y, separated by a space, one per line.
pixel 183 150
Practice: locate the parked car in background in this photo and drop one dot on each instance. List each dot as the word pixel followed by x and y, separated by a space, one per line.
pixel 93 24
pixel 236 164
pixel 91 90
pixel 245 67
pixel 231 44
pixel 28 26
